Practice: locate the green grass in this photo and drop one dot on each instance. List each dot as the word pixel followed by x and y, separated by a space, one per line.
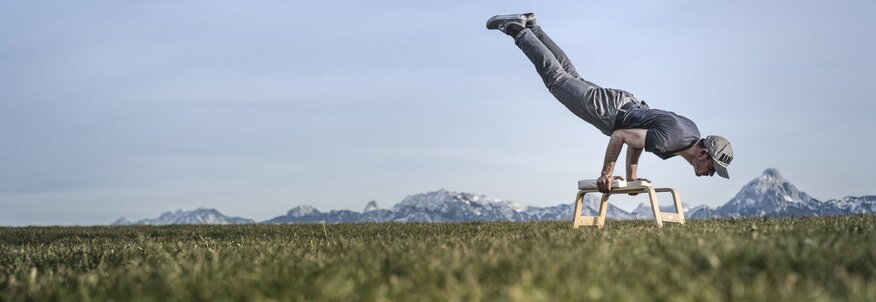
pixel 808 259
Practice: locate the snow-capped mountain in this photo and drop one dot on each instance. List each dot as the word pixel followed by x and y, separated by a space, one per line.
pixel 448 206
pixel 772 195
pixel 443 205
pixel 856 205
pixel 769 194
pixel 371 206
pixel 643 211
pixel 199 216
pixel 307 214
pixel 701 212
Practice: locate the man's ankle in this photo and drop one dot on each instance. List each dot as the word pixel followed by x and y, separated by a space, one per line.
pixel 513 29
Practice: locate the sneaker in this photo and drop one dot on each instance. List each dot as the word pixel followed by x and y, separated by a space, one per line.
pixel 530 20
pixel 501 22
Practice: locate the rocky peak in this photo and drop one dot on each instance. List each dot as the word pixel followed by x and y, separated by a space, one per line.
pixel 772 175
pixel 427 201
pixel 371 206
pixel 302 211
pixel 769 194
pixel 771 184
pixel 122 221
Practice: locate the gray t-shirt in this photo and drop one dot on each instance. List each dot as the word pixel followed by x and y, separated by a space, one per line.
pixel 667 132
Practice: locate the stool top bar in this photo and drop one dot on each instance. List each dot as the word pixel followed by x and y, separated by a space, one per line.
pixel 617 184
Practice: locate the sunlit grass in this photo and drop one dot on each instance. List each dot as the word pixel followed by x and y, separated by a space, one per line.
pixel 733 260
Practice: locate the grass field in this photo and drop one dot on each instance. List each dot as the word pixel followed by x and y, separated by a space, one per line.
pixel 809 259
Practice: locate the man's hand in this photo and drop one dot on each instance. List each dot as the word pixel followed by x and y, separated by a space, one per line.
pixel 637 179
pixel 603 183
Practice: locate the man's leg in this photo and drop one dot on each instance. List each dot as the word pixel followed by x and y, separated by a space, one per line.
pixel 574 93
pixel 570 91
pixel 595 105
pixel 546 64
pixel 555 49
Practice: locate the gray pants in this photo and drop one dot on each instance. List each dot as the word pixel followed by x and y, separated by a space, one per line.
pixel 596 105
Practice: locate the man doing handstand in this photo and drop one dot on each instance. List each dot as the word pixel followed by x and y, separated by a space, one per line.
pixel 615 112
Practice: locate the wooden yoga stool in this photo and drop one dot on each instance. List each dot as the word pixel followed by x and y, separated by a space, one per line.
pixel 622 187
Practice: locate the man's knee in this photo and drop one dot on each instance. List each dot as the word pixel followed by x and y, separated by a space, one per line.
pixel 553 78
pixel 568 84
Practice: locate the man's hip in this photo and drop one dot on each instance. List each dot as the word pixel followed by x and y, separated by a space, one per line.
pixel 600 107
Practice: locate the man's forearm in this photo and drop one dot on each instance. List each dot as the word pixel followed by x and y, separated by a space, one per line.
pixel 615 144
pixel 632 162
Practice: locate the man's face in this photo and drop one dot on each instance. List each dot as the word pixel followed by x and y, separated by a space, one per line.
pixel 704 166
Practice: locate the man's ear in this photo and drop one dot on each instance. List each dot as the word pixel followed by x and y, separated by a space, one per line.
pixel 703 153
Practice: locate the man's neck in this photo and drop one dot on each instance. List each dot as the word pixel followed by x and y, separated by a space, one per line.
pixel 689 154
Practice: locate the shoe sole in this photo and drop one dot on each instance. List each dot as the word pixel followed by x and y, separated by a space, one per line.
pixel 495 21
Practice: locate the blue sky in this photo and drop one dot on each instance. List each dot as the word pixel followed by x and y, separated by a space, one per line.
pixel 131 108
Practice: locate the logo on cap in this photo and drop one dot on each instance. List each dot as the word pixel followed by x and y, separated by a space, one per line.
pixel 725 159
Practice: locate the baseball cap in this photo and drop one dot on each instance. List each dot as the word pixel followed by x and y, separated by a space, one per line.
pixel 721 153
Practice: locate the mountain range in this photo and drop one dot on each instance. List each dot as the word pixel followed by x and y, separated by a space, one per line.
pixel 199 216
pixel 768 195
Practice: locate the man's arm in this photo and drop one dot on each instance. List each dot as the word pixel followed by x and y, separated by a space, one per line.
pixel 632 162
pixel 634 138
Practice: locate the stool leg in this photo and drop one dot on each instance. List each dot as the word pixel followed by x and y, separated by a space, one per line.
pixel 576 214
pixel 603 210
pixel 677 199
pixel 655 206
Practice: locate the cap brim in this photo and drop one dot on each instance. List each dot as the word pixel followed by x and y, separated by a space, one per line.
pixel 721 170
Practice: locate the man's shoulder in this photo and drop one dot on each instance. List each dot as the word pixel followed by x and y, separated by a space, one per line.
pixel 669 132
pixel 671 118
